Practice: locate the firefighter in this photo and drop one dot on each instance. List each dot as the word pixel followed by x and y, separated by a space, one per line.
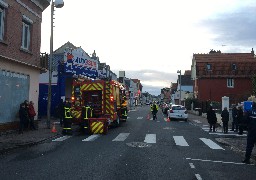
pixel 87 112
pixel 124 109
pixel 67 119
pixel 154 110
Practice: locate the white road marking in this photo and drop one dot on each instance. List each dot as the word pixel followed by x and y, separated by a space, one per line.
pixel 121 137
pixel 218 161
pixel 92 137
pixel 192 166
pixel 62 138
pixel 180 141
pixel 139 117
pixel 211 144
pixel 198 177
pixel 206 125
pixel 197 121
pixel 150 138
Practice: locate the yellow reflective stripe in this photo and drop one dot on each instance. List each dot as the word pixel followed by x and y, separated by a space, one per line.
pixel 99 129
pixel 95 125
pixel 67 128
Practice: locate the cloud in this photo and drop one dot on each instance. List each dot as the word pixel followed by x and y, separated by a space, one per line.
pixel 236 28
pixel 152 80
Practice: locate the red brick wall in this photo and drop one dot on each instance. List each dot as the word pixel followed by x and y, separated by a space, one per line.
pixel 215 89
pixel 13 33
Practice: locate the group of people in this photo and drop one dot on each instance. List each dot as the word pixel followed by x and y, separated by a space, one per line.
pixel 241 119
pixel 238 116
pixel 26 115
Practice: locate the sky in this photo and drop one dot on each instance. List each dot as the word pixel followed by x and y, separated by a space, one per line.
pixel 151 39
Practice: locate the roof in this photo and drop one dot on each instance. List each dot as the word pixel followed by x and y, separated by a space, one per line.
pixel 220 57
pixel 64 46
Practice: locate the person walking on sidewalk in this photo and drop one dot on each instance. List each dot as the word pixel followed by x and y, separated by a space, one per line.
pixel 251 136
pixel 234 117
pixel 26 122
pixel 240 118
pixel 31 114
pixel 225 119
pixel 212 119
pixel 23 115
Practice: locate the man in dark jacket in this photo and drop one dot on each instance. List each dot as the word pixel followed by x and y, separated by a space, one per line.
pixel 212 119
pixel 240 118
pixel 225 119
pixel 23 115
pixel 251 136
pixel 234 117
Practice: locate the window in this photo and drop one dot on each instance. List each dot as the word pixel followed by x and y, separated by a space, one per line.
pixel 26 30
pixel 208 67
pixel 230 82
pixel 233 67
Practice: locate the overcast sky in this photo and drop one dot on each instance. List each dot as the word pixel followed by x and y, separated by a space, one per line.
pixel 152 39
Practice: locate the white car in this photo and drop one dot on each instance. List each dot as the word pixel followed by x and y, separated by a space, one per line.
pixel 177 112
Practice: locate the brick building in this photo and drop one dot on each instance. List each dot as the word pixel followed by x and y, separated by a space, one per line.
pixel 223 74
pixel 20 42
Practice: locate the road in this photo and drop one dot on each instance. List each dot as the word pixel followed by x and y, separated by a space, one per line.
pixel 138 149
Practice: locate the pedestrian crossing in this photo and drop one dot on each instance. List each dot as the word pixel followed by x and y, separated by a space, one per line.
pixel 149 138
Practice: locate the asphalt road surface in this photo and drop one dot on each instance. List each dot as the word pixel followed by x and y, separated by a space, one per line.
pixel 138 149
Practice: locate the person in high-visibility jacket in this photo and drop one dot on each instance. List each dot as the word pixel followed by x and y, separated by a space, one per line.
pixel 154 109
pixel 67 118
pixel 87 112
pixel 124 108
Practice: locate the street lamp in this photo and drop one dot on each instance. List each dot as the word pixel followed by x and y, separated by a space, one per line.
pixel 57 4
pixel 179 71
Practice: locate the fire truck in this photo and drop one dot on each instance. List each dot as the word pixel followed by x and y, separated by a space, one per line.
pixel 104 97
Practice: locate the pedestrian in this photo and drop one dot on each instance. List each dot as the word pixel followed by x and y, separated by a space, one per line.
pixel 60 112
pixel 154 110
pixel 31 114
pixel 87 112
pixel 23 115
pixel 234 121
pixel 212 119
pixel 67 121
pixel 26 122
pixel 240 118
pixel 251 136
pixel 225 119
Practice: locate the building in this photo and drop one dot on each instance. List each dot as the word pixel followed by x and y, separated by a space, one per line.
pixel 20 66
pixel 219 74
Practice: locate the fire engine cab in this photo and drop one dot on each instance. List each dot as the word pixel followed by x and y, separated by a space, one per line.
pixel 97 104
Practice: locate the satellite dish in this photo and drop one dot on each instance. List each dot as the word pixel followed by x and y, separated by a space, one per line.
pixel 58 3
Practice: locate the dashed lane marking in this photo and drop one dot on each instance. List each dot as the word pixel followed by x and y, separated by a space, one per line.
pixel 139 117
pixel 121 137
pixel 223 162
pixel 211 144
pixel 180 141
pixel 150 138
pixel 92 137
pixel 62 138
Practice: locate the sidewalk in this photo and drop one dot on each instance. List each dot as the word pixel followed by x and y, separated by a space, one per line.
pixel 236 143
pixel 13 140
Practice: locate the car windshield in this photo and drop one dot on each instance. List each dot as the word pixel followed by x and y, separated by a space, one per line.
pixel 178 108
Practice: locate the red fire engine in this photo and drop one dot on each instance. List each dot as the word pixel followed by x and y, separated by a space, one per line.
pixel 106 99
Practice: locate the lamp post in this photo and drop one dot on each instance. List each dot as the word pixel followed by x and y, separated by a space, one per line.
pixel 179 71
pixel 57 4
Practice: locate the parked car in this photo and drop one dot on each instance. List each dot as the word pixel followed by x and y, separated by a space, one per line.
pixel 177 112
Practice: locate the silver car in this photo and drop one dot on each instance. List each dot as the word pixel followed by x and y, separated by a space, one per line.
pixel 177 112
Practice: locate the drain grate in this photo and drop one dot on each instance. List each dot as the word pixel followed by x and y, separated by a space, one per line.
pixel 138 144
